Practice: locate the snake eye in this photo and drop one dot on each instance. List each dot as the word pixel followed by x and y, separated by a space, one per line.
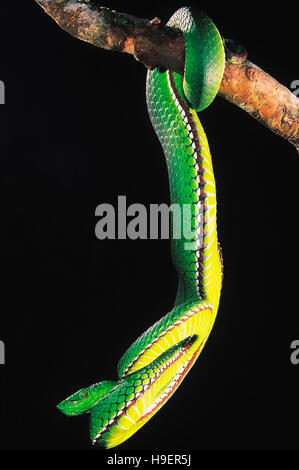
pixel 83 394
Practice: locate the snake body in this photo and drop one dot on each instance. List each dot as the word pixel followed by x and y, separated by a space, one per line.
pixel 156 363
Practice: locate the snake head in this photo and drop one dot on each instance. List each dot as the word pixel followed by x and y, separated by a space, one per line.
pixel 85 399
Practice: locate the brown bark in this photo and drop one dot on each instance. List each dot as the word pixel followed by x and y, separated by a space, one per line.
pixel 156 45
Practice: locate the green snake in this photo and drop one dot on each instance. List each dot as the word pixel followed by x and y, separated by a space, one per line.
pixel 156 363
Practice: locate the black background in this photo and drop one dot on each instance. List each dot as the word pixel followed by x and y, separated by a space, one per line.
pixel 74 134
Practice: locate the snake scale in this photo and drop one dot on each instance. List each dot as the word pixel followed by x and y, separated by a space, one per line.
pixel 156 363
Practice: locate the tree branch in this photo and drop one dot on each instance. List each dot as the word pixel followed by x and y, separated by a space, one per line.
pixel 156 45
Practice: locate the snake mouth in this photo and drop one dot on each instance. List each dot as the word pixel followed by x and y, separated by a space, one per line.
pixel 148 401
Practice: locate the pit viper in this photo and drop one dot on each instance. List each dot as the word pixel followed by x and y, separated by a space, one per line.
pixel 157 362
